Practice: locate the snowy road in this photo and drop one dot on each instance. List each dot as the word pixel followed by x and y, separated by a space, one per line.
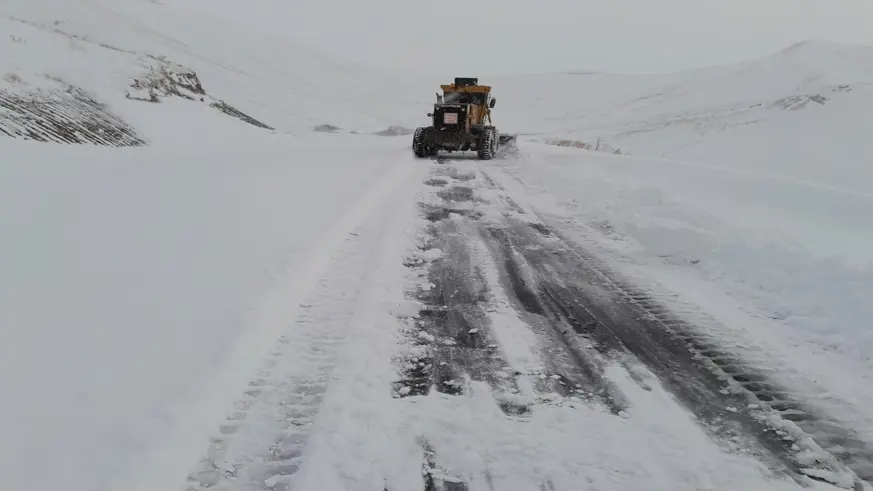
pixel 413 325
pixel 519 360
pixel 508 279
pixel 261 289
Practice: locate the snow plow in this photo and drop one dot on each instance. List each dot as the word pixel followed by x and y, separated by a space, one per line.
pixel 461 121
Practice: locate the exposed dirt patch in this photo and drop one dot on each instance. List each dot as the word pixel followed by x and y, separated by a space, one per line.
pixel 63 115
pixel 394 131
pixel 539 227
pixel 797 102
pixel 597 146
pixel 455 174
pixel 166 79
pixel 435 213
pixel 436 182
pixel 456 193
pixel 326 128
pixel 236 113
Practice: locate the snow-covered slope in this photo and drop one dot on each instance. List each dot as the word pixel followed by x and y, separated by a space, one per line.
pixel 102 47
pixel 577 101
pixel 800 112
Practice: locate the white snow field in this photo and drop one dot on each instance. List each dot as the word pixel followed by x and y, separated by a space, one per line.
pixel 142 286
pixel 198 290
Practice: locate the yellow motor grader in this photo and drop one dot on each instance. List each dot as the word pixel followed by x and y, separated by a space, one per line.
pixel 461 121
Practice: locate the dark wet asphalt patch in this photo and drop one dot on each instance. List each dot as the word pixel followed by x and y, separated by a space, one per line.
pixel 416 377
pixel 455 174
pixel 436 182
pixel 512 408
pixel 727 395
pixel 436 213
pixel 453 327
pixel 539 227
pixel 456 193
pixel 437 478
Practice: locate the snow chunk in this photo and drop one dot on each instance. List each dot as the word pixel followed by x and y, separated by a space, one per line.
pixel 405 308
pixel 431 254
pixel 272 481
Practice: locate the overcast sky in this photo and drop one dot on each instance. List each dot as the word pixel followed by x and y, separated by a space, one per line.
pixel 487 37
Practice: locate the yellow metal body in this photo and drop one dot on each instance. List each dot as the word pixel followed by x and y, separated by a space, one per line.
pixel 478 113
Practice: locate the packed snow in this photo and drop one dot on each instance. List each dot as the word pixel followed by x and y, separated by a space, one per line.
pixel 143 286
pixel 146 290
pixel 140 284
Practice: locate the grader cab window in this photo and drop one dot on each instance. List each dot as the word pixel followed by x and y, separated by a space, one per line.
pixel 477 98
pixel 454 98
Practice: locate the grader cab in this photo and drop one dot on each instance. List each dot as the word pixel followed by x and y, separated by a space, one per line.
pixel 461 121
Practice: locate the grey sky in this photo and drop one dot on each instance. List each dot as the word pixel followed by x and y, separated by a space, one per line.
pixel 482 37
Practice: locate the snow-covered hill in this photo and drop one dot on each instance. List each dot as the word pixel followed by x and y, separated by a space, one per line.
pixel 102 48
pixel 802 111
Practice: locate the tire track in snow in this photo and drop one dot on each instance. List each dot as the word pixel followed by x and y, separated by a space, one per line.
pixel 435 477
pixel 264 442
pixel 469 309
pixel 743 397
pixel 820 446
pixel 456 331
pixel 578 367
pixel 584 368
pixel 471 442
pixel 355 443
pixel 570 291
